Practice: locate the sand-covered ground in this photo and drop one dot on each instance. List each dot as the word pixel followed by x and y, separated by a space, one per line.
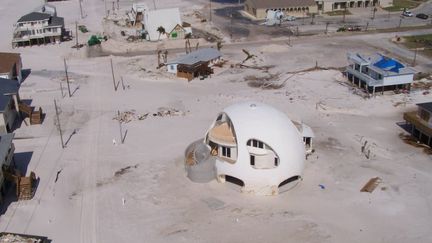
pixel 153 201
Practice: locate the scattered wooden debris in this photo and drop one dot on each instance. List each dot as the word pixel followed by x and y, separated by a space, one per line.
pixel 422 85
pixel 21 238
pixel 131 115
pixel 166 111
pixel 248 55
pixel 371 185
pixel 263 68
pixel 124 170
pixel 269 81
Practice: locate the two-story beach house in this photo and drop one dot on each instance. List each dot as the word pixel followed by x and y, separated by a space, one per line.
pixel 38 28
pixel 378 73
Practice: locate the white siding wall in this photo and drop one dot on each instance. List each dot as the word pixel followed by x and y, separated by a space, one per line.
pixel 401 79
pixel 172 68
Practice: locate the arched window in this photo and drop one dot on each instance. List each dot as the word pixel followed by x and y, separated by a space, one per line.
pixel 261 155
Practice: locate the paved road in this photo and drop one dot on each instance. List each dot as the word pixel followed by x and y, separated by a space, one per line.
pixel 240 27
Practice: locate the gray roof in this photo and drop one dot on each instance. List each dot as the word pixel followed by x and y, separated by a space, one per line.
pixel 34 16
pixel 200 55
pixel 7 87
pixel 427 106
pixel 5 144
pixel 282 3
pixel 56 21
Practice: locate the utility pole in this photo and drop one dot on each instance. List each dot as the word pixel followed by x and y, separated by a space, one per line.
pixel 415 55
pixel 210 18
pixel 61 89
pixel 367 25
pixel 326 31
pixel 344 14
pixel 67 78
pixel 313 17
pixel 106 11
pixel 231 25
pixel 112 72
pixel 80 5
pixel 76 34
pixel 120 126
pixel 58 125
pixel 400 22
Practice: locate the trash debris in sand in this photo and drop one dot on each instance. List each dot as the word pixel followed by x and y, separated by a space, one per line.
pixel 270 81
pixel 15 238
pixel 128 116
pixel 166 111
pixel 371 185
pixel 124 170
pixel 131 115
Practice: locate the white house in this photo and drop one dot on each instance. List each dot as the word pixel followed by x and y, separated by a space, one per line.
pixel 169 19
pixel 136 14
pixel 253 145
pixel 378 73
pixel 38 28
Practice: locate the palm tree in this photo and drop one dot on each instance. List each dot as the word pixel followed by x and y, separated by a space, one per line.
pixel 161 31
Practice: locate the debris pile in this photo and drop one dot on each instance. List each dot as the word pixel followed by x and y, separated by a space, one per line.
pixel 166 111
pixel 12 238
pixel 131 115
pixel 128 116
pixel 124 170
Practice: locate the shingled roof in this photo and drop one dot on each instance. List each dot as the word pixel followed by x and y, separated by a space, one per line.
pixel 34 16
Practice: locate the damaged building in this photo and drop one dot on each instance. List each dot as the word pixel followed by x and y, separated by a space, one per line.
pixel 252 145
pixel 195 64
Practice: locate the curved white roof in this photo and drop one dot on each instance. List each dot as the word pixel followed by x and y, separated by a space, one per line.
pixel 253 120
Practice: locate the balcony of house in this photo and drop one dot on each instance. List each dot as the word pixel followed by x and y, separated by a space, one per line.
pixel 364 77
pixel 29 35
pixel 222 134
pixel 418 123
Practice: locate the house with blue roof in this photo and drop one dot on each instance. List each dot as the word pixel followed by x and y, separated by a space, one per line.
pixel 378 73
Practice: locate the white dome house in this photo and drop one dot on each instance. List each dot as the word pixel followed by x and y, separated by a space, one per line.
pixel 256 146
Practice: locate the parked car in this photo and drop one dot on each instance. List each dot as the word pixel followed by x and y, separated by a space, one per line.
pixel 422 16
pixel 407 13
pixel 290 18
